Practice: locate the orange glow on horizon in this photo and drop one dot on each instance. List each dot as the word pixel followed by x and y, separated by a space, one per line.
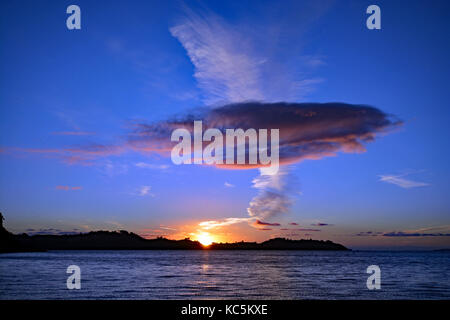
pixel 205 238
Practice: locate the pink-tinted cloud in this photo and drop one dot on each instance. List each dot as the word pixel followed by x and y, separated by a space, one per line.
pixel 85 155
pixel 307 130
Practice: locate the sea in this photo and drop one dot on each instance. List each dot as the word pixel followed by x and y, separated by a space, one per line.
pixel 208 274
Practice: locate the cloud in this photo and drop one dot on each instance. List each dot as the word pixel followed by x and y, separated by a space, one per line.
pixel 111 168
pixel 321 224
pixel 228 185
pixel 442 228
pixel 223 67
pixel 213 224
pixel 67 188
pixel 151 166
pixel 145 191
pixel 306 130
pixel 51 231
pixel 274 195
pixel 262 223
pixel 85 154
pixel 368 234
pixel 407 234
pixel 293 224
pixel 398 180
pixel 234 63
pixel 435 231
pixel 167 228
pixel 268 203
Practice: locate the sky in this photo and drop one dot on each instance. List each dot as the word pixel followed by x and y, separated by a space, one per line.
pixel 80 109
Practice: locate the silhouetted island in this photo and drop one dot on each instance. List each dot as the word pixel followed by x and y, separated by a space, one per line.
pixel 10 242
pixel 124 240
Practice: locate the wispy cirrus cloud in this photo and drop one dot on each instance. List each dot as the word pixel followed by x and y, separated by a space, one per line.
pixel 213 224
pixel 401 181
pixel 146 165
pixel 234 63
pixel 167 228
pixel 110 168
pixel 223 67
pixel 145 191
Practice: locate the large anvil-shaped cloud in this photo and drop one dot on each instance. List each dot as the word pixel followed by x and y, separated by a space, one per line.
pixel 306 130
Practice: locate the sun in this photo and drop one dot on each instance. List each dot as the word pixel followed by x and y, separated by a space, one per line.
pixel 205 238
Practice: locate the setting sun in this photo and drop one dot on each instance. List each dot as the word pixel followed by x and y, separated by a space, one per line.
pixel 205 238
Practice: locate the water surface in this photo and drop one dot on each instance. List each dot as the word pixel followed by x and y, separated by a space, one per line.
pixel 225 275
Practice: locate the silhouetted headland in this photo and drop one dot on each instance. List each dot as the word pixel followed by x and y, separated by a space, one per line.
pixel 10 242
pixel 124 240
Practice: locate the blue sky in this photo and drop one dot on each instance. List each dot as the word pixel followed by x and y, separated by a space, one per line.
pixel 142 61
